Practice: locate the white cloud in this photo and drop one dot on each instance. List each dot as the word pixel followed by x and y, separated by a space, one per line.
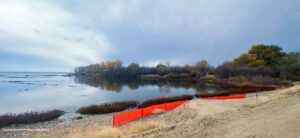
pixel 78 32
pixel 48 31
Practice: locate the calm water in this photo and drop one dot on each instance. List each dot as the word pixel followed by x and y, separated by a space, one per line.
pixel 22 92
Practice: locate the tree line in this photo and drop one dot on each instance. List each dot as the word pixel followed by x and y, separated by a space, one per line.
pixel 261 60
pixel 116 69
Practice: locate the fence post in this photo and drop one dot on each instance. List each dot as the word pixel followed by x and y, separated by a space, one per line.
pixel 142 111
pixel 113 120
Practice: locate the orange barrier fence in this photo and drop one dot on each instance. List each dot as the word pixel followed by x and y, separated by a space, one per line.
pixel 128 116
pixel 238 96
pixel 162 107
pixel 125 117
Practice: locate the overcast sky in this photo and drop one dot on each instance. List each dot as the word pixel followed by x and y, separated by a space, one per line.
pixel 57 35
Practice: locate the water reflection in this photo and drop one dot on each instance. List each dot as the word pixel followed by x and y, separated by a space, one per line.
pixel 22 92
pixel 116 85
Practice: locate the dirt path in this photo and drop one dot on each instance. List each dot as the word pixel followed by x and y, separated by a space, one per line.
pixel 279 118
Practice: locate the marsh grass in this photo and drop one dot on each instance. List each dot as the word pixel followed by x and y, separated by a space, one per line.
pixel 220 93
pixel 29 117
pixel 249 89
pixel 162 100
pixel 107 107
pixel 236 90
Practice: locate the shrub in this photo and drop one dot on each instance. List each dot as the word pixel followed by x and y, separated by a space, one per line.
pixel 134 129
pixel 29 117
pixel 107 107
pixel 164 100
pixel 248 89
pixel 228 70
pixel 236 90
pixel 238 79
pixel 265 80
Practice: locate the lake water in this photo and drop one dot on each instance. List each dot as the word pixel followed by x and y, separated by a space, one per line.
pixel 21 92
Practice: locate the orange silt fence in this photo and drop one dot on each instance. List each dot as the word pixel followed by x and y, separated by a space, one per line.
pixel 149 110
pixel 125 117
pixel 162 107
pixel 238 96
pixel 170 106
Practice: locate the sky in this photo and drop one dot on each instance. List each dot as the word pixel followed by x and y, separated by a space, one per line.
pixel 58 35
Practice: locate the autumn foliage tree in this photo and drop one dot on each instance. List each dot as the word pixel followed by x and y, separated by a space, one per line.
pixel 263 60
pixel 261 55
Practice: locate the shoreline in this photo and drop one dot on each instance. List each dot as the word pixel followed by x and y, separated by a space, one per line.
pixel 206 113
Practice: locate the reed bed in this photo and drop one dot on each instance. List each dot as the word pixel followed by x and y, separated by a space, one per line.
pixel 107 107
pixel 29 117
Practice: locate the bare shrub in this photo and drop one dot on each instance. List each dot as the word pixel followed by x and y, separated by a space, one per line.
pixel 29 117
pixel 265 80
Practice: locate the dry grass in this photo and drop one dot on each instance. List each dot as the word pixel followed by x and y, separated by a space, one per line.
pixel 112 132
pixel 219 93
pixel 236 90
pixel 107 107
pixel 29 117
pixel 162 100
pixel 281 93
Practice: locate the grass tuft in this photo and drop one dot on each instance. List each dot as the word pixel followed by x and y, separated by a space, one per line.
pixel 112 132
pixel 220 93
pixel 107 107
pixel 237 90
pixel 162 100
pixel 29 117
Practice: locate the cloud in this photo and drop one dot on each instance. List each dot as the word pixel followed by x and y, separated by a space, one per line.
pixel 77 32
pixel 48 31
pixel 192 30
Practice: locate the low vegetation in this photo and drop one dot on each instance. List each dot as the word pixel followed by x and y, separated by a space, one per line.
pixel 107 107
pixel 162 100
pixel 249 89
pixel 131 129
pixel 237 90
pixel 219 93
pixel 30 117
